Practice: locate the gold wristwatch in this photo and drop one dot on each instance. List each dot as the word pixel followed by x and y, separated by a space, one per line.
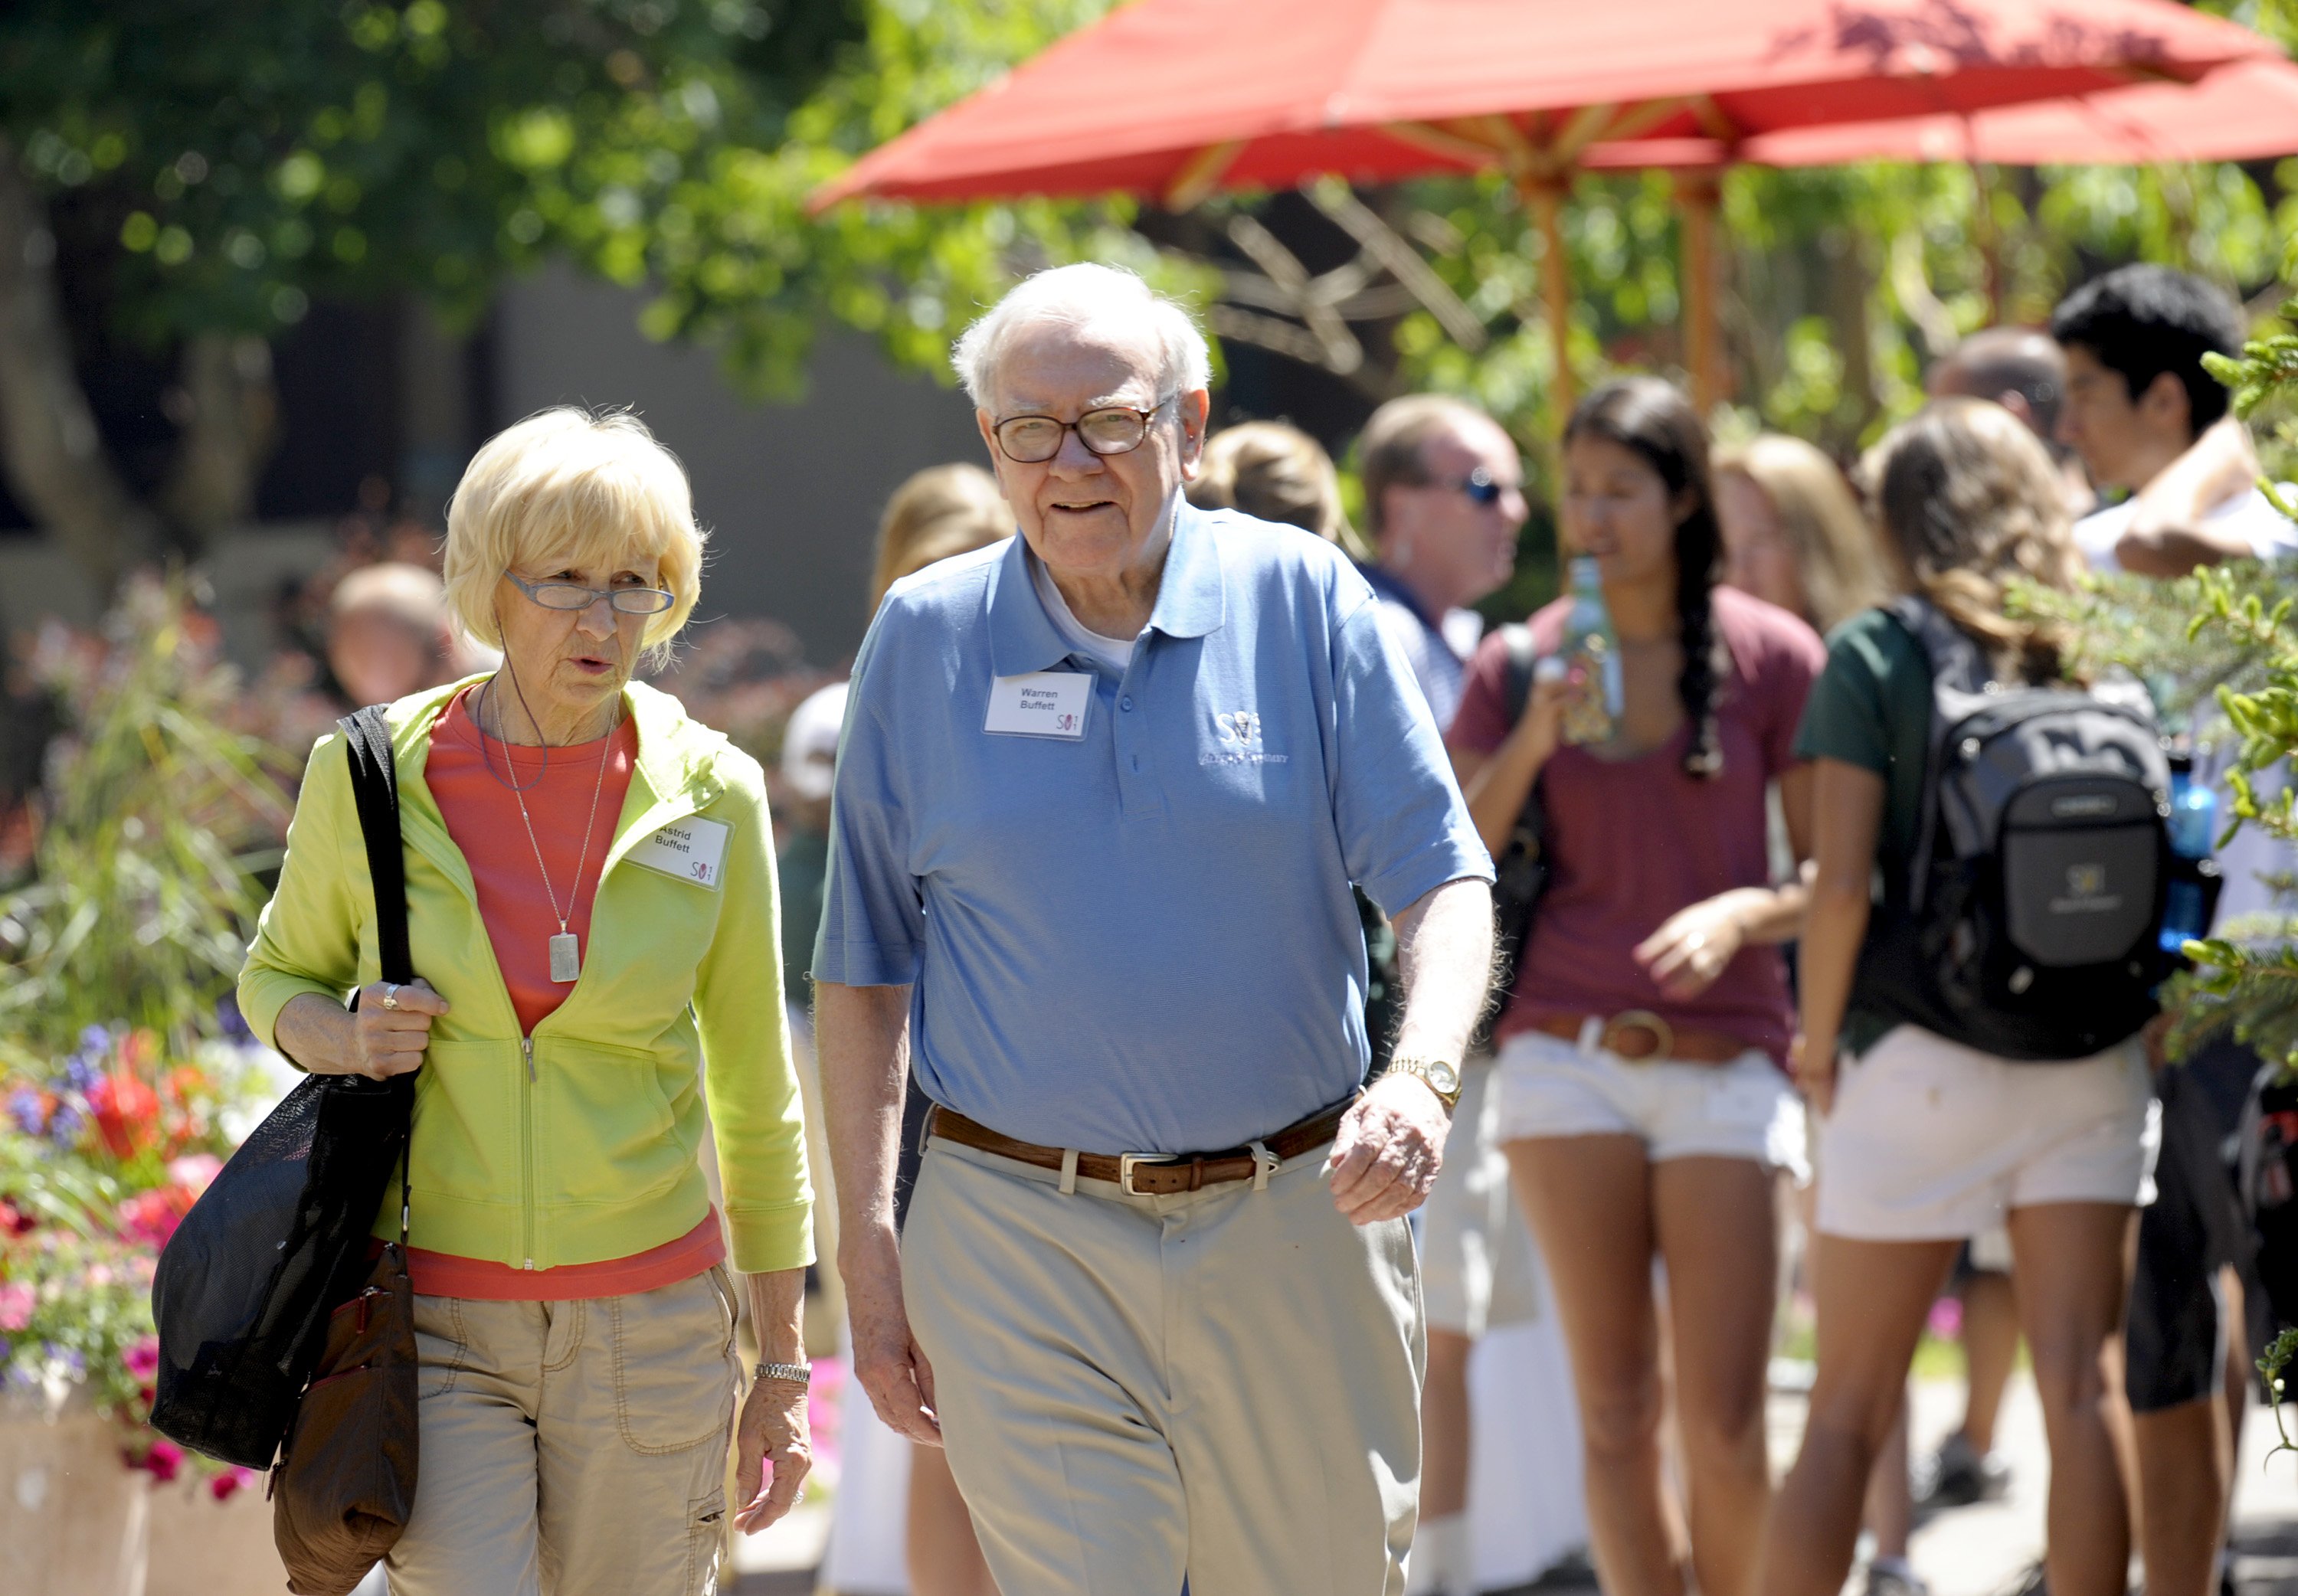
pixel 1442 1075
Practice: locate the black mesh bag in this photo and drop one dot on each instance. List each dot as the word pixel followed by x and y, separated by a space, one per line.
pixel 244 1287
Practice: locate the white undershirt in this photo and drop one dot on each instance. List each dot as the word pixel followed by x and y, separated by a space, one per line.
pixel 1115 652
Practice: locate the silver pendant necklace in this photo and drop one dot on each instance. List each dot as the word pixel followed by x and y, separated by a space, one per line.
pixel 565 948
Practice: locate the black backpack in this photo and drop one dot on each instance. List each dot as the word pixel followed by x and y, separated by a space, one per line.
pixel 2028 923
pixel 243 1289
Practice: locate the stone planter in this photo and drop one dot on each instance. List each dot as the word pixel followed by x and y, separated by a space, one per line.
pixel 203 1547
pixel 73 1521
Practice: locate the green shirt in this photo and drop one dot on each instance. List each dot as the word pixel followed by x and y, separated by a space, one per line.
pixel 1872 707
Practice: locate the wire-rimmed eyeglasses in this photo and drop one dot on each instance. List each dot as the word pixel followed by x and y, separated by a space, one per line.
pixel 573 595
pixel 1111 429
pixel 1479 486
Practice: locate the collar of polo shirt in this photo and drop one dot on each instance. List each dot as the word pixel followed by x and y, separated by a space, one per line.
pixel 1191 599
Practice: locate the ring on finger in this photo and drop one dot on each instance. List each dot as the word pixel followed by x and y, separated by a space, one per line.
pixel 391 994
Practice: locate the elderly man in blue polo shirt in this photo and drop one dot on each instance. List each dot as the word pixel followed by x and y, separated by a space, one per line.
pixel 1101 797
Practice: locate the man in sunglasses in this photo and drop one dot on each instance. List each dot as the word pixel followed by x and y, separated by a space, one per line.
pixel 1443 495
pixel 1103 791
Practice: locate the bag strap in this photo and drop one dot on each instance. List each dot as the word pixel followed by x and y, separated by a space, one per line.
pixel 375 787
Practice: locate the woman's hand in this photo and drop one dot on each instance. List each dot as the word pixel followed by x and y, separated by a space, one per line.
pixel 772 1433
pixel 1553 693
pixel 1692 947
pixel 373 1040
pixel 1814 1074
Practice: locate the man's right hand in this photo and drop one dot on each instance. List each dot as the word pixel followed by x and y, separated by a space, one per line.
pixel 888 1360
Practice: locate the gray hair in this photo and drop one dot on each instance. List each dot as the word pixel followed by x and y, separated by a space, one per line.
pixel 1079 296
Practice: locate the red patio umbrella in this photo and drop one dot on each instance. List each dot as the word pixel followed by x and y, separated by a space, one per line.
pixel 1173 99
pixel 2244 111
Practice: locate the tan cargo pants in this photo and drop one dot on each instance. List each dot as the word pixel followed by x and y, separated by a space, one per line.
pixel 1224 1384
pixel 577 1449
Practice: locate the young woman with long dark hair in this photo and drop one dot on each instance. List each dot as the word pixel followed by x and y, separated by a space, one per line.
pixel 1641 1094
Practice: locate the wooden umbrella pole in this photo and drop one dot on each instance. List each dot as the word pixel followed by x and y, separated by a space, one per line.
pixel 1698 193
pixel 1546 197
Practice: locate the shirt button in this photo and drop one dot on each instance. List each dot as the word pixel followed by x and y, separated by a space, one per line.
pixel 1137 762
pixel 1125 703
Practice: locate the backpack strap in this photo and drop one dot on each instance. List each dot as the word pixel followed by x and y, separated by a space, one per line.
pixel 1956 661
pixel 374 789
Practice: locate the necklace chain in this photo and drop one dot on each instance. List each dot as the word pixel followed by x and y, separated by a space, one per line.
pixel 574 892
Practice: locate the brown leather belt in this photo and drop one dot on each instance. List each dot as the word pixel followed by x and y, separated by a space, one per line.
pixel 1150 1174
pixel 1641 1036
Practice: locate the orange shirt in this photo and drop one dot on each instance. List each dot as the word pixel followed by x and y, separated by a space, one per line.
pixel 483 816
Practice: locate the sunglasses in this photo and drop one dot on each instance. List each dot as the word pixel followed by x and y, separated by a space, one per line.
pixel 1480 487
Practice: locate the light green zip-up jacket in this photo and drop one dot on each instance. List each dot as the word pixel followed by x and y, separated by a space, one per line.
pixel 582 1142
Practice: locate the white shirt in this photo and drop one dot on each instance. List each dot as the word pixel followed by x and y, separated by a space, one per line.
pixel 1115 652
pixel 2252 517
pixel 2252 854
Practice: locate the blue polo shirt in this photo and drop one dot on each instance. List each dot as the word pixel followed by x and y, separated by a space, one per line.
pixel 1141 939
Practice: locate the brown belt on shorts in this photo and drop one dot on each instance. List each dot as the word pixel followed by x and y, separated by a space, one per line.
pixel 1641 1036
pixel 1151 1174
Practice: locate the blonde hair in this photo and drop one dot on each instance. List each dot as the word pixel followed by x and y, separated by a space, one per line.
pixel 942 510
pixel 1278 473
pixel 570 487
pixel 1969 498
pixel 1836 557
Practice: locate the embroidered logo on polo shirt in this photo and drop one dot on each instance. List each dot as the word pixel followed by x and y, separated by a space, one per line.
pixel 1239 734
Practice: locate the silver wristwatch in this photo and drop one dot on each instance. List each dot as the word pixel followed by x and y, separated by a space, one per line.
pixel 798 1374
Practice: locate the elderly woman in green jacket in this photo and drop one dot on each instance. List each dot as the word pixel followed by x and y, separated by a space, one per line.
pixel 591 907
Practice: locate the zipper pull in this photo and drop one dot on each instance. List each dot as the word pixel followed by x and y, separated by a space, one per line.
pixel 526 1046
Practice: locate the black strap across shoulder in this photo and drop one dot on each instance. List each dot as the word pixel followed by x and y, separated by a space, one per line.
pixel 375 787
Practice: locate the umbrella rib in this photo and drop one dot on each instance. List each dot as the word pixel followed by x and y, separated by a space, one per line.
pixel 1200 174
pixel 1339 202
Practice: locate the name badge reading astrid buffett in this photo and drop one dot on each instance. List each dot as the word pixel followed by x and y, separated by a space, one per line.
pixel 693 849
pixel 1041 704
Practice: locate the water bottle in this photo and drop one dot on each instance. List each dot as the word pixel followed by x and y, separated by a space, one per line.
pixel 1591 651
pixel 2194 827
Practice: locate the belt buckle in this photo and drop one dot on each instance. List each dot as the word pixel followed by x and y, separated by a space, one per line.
pixel 1662 1033
pixel 1127 1162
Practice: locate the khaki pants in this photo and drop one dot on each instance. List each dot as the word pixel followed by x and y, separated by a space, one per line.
pixel 574 1448
pixel 1224 1384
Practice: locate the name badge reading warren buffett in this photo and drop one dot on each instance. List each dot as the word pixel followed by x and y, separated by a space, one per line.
pixel 693 849
pixel 1041 704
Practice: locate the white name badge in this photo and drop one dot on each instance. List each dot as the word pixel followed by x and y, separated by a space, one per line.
pixel 1041 704
pixel 693 849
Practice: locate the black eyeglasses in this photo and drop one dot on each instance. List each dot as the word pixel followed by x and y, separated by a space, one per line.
pixel 1112 429
pixel 573 595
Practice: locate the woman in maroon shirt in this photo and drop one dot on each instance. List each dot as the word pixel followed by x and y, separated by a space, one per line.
pixel 1640 1086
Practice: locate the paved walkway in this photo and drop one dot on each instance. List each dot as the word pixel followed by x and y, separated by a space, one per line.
pixel 1982 1551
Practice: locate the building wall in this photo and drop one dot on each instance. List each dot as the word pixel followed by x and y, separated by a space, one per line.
pixel 790 492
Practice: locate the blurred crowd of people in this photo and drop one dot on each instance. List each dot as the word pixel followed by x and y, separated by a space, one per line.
pixel 1621 1208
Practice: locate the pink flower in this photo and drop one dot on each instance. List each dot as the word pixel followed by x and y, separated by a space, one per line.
pixel 16 1302
pixel 152 1217
pixel 163 1462
pixel 225 1486
pixel 143 1358
pixel 194 1171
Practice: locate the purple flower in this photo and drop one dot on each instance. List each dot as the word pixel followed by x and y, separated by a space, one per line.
pixel 95 1039
pixel 81 1073
pixel 64 1126
pixel 24 1108
pixel 230 1020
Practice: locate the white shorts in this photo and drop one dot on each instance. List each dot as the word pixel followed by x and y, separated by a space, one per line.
pixel 1744 1109
pixel 1476 1269
pixel 1930 1140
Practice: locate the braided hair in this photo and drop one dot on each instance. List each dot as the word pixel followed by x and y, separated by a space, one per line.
pixel 1655 422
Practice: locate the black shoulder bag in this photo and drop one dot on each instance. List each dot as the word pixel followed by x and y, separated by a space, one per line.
pixel 1520 870
pixel 268 1282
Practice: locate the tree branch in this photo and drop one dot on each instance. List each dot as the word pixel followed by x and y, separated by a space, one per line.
pixel 228 414
pixel 50 448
